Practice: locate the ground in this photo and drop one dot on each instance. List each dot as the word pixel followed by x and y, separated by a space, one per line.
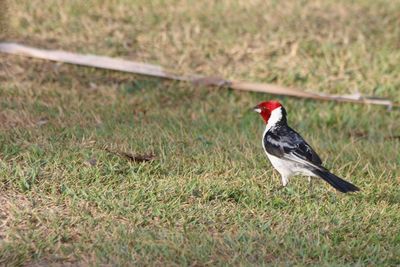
pixel 208 197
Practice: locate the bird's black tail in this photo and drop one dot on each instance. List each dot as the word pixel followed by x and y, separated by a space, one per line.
pixel 337 182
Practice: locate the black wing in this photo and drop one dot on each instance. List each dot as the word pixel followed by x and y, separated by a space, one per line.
pixel 284 142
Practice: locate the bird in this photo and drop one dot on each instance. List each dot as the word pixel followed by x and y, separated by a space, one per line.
pixel 289 153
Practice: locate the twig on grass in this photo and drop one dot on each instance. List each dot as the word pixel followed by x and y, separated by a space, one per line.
pixel 109 63
pixel 131 157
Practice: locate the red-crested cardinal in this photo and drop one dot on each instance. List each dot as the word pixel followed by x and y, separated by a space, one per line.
pixel 289 153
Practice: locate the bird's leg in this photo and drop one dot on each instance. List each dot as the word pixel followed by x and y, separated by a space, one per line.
pixel 310 187
pixel 285 180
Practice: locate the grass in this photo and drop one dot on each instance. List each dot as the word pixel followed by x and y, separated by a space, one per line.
pixel 209 196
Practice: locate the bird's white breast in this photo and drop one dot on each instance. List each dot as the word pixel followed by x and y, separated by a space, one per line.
pixel 284 167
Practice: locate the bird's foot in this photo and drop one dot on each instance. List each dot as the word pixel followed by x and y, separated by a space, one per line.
pixel 310 188
pixel 280 188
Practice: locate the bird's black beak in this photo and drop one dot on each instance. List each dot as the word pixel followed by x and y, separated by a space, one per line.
pixel 257 109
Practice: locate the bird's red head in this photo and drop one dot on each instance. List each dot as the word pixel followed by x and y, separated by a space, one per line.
pixel 265 109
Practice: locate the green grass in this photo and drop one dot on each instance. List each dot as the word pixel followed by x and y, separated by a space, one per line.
pixel 209 197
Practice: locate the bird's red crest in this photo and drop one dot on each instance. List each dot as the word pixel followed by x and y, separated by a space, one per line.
pixel 265 108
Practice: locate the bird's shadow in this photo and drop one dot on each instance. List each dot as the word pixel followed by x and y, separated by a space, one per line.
pixel 391 198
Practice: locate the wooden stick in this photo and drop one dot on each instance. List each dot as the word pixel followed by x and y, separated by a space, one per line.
pixel 158 71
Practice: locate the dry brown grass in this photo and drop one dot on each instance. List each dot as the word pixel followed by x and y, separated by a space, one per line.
pixel 208 198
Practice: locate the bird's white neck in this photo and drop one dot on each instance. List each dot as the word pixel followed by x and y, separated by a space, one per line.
pixel 276 116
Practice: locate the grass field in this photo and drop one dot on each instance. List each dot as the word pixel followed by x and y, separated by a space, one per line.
pixel 209 196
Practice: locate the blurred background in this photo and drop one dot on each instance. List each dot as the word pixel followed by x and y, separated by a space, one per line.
pixel 330 46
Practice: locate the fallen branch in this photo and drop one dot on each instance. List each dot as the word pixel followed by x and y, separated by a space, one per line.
pixel 158 71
